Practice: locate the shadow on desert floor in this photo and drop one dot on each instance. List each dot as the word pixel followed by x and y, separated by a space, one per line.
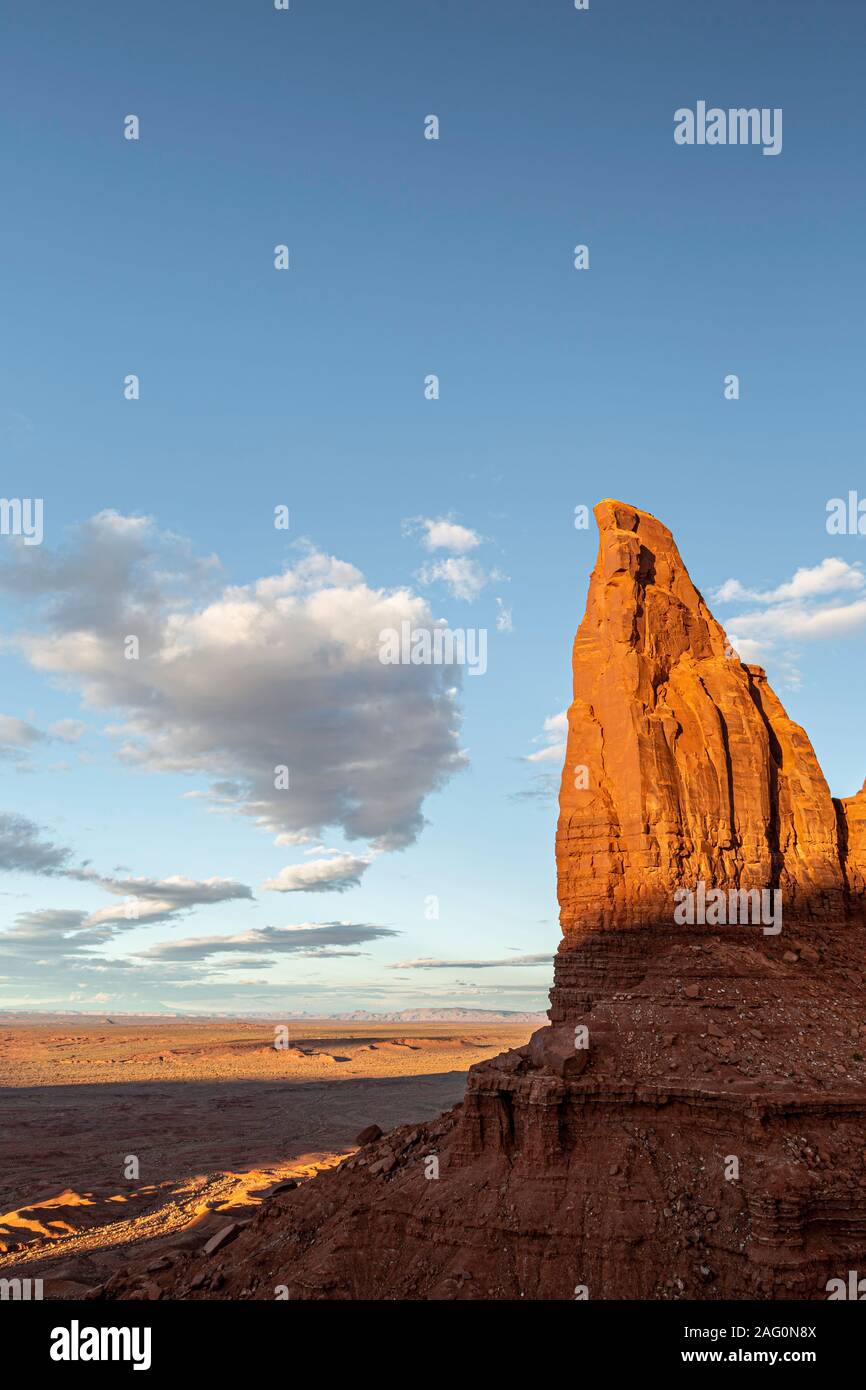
pixel 201 1149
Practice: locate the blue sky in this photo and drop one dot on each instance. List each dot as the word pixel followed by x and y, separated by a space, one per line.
pixel 305 388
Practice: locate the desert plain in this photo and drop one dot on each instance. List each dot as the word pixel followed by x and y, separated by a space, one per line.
pixel 209 1114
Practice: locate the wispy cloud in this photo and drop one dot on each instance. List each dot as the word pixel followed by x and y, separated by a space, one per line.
pixel 552 739
pixel 504 621
pixel 430 963
pixel 794 611
pixel 830 577
pixel 463 576
pixel 151 900
pixel 68 730
pixel 23 850
pixel 801 621
pixel 332 875
pixel 48 935
pixel 543 788
pixel 60 954
pixel 17 733
pixel 310 938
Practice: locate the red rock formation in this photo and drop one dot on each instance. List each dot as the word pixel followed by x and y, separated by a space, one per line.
pixel 691 1123
pixel 853 834
pixel 681 764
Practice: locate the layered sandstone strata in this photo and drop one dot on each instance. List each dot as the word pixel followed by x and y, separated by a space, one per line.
pixel 681 764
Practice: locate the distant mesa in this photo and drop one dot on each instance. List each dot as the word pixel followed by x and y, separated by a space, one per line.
pixel 444 1015
pixel 430 1015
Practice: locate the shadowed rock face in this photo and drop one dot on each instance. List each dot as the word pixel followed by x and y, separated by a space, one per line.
pixel 852 824
pixel 691 1123
pixel 681 765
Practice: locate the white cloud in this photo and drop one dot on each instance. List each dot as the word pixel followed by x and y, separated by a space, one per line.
pixel 22 850
pixel 553 738
pixel 443 534
pixel 233 682
pixel 430 963
pixel 829 577
pixel 158 900
pixel 16 733
pixel 465 578
pixel 503 618
pixel 310 938
pixel 335 875
pixel 792 612
pixel 68 730
pixel 747 648
pixel 797 620
pixel 47 933
pixel 57 952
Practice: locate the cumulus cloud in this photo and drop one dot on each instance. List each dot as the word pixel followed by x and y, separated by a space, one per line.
pixel 233 682
pixel 117 567
pixel 332 875
pixel 464 577
pixel 22 849
pixel 443 534
pixel 310 938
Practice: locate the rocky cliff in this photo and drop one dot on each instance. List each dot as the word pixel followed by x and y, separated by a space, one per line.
pixel 852 828
pixel 681 764
pixel 690 1124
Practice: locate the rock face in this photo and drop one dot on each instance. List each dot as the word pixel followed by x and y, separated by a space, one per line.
pixel 691 1123
pixel 681 764
pixel 852 821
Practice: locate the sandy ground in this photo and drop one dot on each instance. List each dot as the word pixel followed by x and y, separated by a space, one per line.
pixel 212 1112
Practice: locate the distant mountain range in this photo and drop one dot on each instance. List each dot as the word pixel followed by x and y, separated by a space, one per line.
pixel 456 1015
pixel 444 1016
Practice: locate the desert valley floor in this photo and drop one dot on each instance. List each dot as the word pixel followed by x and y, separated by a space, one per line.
pixel 215 1115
